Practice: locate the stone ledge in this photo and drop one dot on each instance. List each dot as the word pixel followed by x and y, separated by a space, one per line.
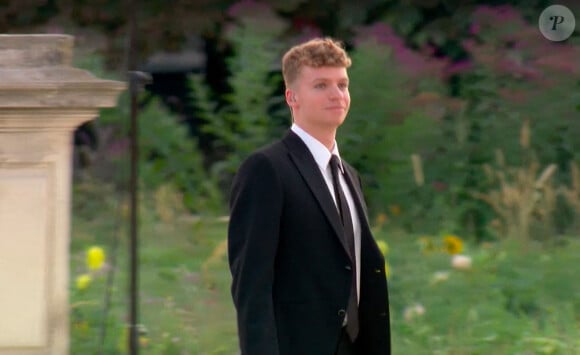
pixel 43 119
pixel 71 95
pixel 35 71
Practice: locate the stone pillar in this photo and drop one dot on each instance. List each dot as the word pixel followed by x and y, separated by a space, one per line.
pixel 42 101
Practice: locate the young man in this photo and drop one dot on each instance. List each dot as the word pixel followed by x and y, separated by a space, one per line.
pixel 308 277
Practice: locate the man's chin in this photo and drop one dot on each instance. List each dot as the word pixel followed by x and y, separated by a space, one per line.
pixel 339 120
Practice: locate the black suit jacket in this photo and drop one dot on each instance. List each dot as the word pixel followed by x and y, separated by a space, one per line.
pixel 291 269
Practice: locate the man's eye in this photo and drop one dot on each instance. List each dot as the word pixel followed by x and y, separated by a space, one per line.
pixel 320 86
pixel 343 86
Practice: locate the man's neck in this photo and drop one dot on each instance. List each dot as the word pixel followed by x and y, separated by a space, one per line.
pixel 323 135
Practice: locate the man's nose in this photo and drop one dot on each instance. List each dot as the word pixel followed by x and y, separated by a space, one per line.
pixel 336 93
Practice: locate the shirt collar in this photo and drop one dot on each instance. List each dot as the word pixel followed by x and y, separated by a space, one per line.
pixel 318 150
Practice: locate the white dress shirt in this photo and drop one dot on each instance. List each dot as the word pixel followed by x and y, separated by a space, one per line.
pixel 322 157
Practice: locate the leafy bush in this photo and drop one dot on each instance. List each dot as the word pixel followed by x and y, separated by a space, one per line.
pixel 401 107
pixel 397 104
pixel 169 155
pixel 249 116
pixel 170 160
pixel 509 79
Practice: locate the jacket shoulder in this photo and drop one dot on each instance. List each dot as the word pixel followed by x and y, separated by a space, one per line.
pixel 270 152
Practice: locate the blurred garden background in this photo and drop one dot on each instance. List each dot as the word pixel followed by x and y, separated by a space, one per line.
pixel 464 125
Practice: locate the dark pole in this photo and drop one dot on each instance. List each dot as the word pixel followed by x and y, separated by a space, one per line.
pixel 133 183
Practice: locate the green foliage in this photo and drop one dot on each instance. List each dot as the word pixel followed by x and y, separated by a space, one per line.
pixel 512 81
pixel 400 107
pixel 246 118
pixel 180 311
pixel 384 127
pixel 170 154
pixel 442 22
pixel 169 161
pixel 87 295
pixel 515 299
pixel 509 301
pixel 512 300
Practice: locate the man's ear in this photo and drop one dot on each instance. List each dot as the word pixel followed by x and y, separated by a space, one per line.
pixel 290 97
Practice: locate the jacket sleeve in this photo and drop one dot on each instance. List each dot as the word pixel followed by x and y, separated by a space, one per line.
pixel 253 234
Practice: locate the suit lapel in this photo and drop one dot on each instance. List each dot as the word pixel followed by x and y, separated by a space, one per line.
pixel 366 235
pixel 357 194
pixel 307 167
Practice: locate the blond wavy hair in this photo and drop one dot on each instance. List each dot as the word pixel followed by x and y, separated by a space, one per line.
pixel 315 53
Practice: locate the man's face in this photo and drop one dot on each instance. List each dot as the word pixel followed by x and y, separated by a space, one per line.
pixel 319 97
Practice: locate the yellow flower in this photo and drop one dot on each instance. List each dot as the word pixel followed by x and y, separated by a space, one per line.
pixel 383 247
pixel 81 327
pixel 381 219
pixel 452 244
pixel 395 210
pixel 143 341
pixel 95 258
pixel 83 281
pixel 142 338
pixel 387 269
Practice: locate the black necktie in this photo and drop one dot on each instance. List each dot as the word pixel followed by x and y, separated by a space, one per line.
pixel 352 308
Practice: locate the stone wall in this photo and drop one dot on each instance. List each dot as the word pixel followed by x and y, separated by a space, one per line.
pixel 43 99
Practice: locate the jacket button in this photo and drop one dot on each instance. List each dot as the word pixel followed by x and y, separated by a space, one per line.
pixel 348 267
pixel 341 312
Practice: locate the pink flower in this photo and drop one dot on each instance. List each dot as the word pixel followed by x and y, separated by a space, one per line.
pixel 379 31
pixel 560 62
pixel 458 67
pixel 469 44
pixel 496 14
pixel 414 63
